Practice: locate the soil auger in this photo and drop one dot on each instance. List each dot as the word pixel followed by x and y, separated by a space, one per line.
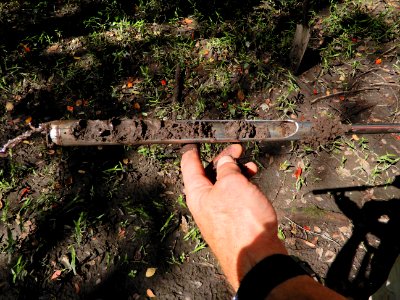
pixel 153 131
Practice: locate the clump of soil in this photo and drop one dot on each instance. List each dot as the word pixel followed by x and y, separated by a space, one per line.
pixel 240 129
pixel 325 130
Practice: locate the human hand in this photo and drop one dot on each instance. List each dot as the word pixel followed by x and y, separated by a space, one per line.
pixel 235 218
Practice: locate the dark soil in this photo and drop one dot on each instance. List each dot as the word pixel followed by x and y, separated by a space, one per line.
pixel 324 130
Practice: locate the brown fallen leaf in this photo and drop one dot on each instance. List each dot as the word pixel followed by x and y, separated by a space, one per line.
pixel 187 21
pixel 150 293
pixel 309 244
pixel 184 225
pixel 9 106
pixel 317 229
pixel 56 274
pixel 240 95
pixel 150 272
pixel 77 288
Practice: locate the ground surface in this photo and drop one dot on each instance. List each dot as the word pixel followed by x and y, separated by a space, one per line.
pixel 111 222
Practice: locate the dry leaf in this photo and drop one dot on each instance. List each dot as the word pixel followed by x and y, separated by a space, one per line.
pixel 150 293
pixel 77 288
pixel 78 102
pixel 125 161
pixel 136 106
pixel 9 106
pixel 240 95
pixel 355 137
pixel 317 229
pixel 150 272
pixel 55 275
pixel 129 84
pixel 319 252
pixel 378 61
pixel 187 21
pixel 28 120
pixel 330 256
pixel 298 172
pixel 184 225
pixel 309 244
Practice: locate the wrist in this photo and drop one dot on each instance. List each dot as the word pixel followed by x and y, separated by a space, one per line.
pixel 263 246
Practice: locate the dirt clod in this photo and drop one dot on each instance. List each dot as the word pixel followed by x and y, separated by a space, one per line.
pixel 324 130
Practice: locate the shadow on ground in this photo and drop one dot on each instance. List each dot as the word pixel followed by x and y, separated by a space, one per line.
pixel 373 243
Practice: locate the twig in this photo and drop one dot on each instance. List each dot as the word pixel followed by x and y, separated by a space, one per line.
pixel 386 84
pixel 356 78
pixel 392 90
pixel 19 139
pixel 389 50
pixel 312 232
pixel 343 93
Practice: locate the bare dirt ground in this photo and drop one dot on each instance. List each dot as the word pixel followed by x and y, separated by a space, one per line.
pixel 111 222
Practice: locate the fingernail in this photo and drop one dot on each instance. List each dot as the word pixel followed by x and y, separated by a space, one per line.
pixel 223 160
pixel 187 147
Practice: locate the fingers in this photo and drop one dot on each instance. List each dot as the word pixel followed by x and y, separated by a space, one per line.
pixel 251 169
pixel 226 166
pixel 234 150
pixel 193 172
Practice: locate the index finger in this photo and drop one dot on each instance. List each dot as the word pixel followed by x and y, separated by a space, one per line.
pixel 194 177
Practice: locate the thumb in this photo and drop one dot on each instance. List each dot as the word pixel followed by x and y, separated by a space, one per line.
pixel 226 166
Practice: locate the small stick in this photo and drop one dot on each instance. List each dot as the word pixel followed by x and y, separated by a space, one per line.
pixel 389 50
pixel 386 84
pixel 312 232
pixel 19 139
pixel 343 93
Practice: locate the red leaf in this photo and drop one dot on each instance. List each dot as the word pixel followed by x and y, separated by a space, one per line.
pixel 26 48
pixel 55 275
pixel 378 61
pixel 307 228
pixel 70 108
pixel 315 92
pixel 163 82
pixel 298 172
pixel 396 136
